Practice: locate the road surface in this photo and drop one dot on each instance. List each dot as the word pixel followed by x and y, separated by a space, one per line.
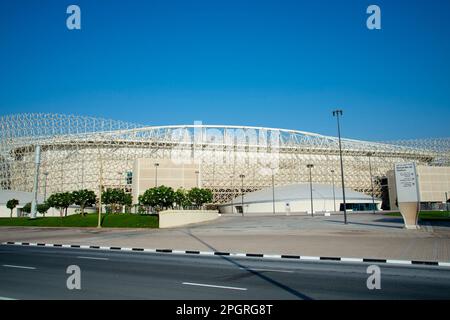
pixel 40 273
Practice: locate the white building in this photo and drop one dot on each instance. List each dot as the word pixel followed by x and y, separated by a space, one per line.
pixel 22 197
pixel 296 199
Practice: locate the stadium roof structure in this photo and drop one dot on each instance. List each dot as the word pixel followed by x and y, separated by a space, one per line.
pixel 72 147
pixel 301 191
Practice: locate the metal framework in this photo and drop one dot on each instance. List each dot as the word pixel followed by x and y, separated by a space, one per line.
pixel 73 148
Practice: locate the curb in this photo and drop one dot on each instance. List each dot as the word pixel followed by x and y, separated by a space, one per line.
pixel 242 255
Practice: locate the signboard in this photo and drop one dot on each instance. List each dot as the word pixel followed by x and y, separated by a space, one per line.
pixel 406 182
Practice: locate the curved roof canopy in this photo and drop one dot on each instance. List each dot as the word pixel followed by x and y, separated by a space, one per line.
pixel 23 130
pixel 300 192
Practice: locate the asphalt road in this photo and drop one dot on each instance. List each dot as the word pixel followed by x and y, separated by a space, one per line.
pixel 40 273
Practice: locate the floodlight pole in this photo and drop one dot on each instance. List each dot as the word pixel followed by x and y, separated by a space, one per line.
pixel 99 222
pixel 197 176
pixel 156 174
pixel 337 113
pixel 273 191
pixel 446 201
pixel 310 166
pixel 334 193
pixel 37 162
pixel 45 185
pixel 369 154
pixel 242 192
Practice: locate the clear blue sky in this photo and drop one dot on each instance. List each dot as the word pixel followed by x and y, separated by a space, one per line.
pixel 266 63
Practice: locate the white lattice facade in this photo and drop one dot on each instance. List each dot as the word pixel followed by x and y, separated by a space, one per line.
pixel 73 147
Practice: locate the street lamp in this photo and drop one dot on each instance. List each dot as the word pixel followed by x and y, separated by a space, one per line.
pixel 45 185
pixel 369 154
pixel 156 174
pixel 337 113
pixel 273 190
pixel 310 166
pixel 242 192
pixel 334 193
pixel 197 175
pixel 100 191
pixel 446 201
pixel 233 193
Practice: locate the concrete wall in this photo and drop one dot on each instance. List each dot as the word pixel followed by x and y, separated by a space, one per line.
pixel 169 174
pixel 433 183
pixel 178 218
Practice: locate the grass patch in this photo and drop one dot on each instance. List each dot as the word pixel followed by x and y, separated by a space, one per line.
pixel 90 220
pixel 427 215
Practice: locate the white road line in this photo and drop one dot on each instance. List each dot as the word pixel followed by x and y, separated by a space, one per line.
pixel 213 286
pixel 351 260
pixel 93 258
pixel 399 262
pixel 6 298
pixel 272 256
pixel 18 267
pixel 206 253
pixel 242 255
pixel 267 270
pixel 307 258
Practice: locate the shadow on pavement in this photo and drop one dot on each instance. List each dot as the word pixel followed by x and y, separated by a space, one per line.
pixel 373 224
pixel 292 291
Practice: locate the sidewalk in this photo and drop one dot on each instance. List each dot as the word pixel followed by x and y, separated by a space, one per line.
pixel 366 236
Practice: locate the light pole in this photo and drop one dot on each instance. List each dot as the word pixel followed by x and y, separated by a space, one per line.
pixel 233 193
pixel 369 154
pixel 273 190
pixel 446 201
pixel 45 185
pixel 99 222
pixel 310 166
pixel 197 176
pixel 334 193
pixel 337 113
pixel 242 192
pixel 37 163
pixel 156 174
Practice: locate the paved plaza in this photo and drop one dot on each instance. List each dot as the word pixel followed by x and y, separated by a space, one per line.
pixel 366 236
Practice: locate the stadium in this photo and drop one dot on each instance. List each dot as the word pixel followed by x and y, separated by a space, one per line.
pixel 85 152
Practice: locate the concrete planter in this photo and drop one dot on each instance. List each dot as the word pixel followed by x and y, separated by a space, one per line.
pixel 178 218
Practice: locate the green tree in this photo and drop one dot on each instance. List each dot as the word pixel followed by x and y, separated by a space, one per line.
pixel 60 201
pixel 11 204
pixel 127 200
pixel 27 208
pixel 42 208
pixel 84 198
pixel 199 197
pixel 181 199
pixel 158 198
pixel 115 198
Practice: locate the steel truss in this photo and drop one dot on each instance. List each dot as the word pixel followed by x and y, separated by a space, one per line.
pixel 73 148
